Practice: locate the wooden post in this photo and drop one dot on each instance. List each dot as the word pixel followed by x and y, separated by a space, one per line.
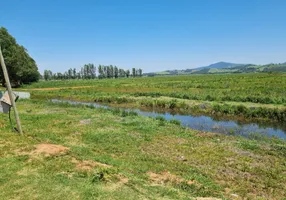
pixel 10 92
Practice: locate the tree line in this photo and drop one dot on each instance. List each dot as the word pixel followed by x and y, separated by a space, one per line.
pixel 90 71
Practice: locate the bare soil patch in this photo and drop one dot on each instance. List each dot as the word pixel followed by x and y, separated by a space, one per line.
pixel 50 149
pixel 167 177
pixel 85 121
pixel 88 165
pixel 3 124
pixel 206 134
pixel 115 186
pixel 58 88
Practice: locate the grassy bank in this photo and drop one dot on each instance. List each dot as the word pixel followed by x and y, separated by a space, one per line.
pixel 87 153
pixel 248 111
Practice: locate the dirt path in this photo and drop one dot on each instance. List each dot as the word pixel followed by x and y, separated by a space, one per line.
pixel 54 88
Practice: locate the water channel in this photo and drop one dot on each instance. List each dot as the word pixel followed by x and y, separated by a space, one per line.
pixel 204 123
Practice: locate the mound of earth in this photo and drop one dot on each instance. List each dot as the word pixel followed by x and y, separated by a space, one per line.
pixel 50 149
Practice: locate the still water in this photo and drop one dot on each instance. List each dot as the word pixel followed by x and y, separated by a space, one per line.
pixel 205 123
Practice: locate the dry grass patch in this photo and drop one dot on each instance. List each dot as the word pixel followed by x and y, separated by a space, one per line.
pixel 85 121
pixel 27 171
pixel 42 149
pixel 88 165
pixel 166 177
pixel 116 186
pixel 3 124
pixel 49 149
pixel 54 88
pixel 206 134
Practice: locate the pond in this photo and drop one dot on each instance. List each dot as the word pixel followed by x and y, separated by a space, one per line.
pixel 205 123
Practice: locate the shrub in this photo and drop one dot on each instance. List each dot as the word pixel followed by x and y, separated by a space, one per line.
pixel 160 118
pixel 172 104
pixel 175 121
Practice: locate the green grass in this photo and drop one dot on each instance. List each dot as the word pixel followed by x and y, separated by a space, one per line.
pixel 250 96
pixel 134 146
pixel 256 88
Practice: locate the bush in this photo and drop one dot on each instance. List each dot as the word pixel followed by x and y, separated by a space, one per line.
pixel 160 118
pixel 175 121
pixel 172 104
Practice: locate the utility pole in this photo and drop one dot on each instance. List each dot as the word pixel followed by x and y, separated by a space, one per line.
pixel 9 88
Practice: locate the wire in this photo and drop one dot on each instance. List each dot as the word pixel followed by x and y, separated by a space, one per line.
pixel 13 128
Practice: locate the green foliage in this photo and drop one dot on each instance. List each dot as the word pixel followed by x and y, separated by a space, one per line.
pixel 21 67
pixel 175 121
pixel 160 118
pixel 273 114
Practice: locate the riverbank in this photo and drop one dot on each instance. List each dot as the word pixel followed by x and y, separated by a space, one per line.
pixel 232 110
pixel 88 153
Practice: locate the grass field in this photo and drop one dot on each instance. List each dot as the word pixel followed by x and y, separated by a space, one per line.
pixel 79 152
pixel 247 95
pixel 71 152
pixel 256 88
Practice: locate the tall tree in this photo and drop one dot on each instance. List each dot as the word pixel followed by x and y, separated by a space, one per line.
pixel 127 73
pixel 108 71
pixel 111 71
pixel 70 73
pixel 21 67
pixel 133 72
pixel 46 75
pixel 105 69
pixel 140 72
pixel 60 76
pixel 74 73
pixel 100 72
pixel 82 73
pixel 93 71
pixel 78 75
pixel 115 72
pixel 121 73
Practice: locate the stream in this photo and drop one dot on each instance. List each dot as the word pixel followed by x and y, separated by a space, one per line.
pixel 205 123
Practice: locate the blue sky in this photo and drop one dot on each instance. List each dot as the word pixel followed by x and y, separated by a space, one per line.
pixel 150 34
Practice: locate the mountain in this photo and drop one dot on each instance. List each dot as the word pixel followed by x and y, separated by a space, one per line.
pixel 220 65
pixel 223 68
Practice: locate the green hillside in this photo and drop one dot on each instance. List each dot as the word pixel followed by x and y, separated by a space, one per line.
pixel 237 68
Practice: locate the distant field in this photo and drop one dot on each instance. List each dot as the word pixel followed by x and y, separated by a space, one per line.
pixel 222 92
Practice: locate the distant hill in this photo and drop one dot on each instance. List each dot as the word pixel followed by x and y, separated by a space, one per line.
pixel 225 67
pixel 220 65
